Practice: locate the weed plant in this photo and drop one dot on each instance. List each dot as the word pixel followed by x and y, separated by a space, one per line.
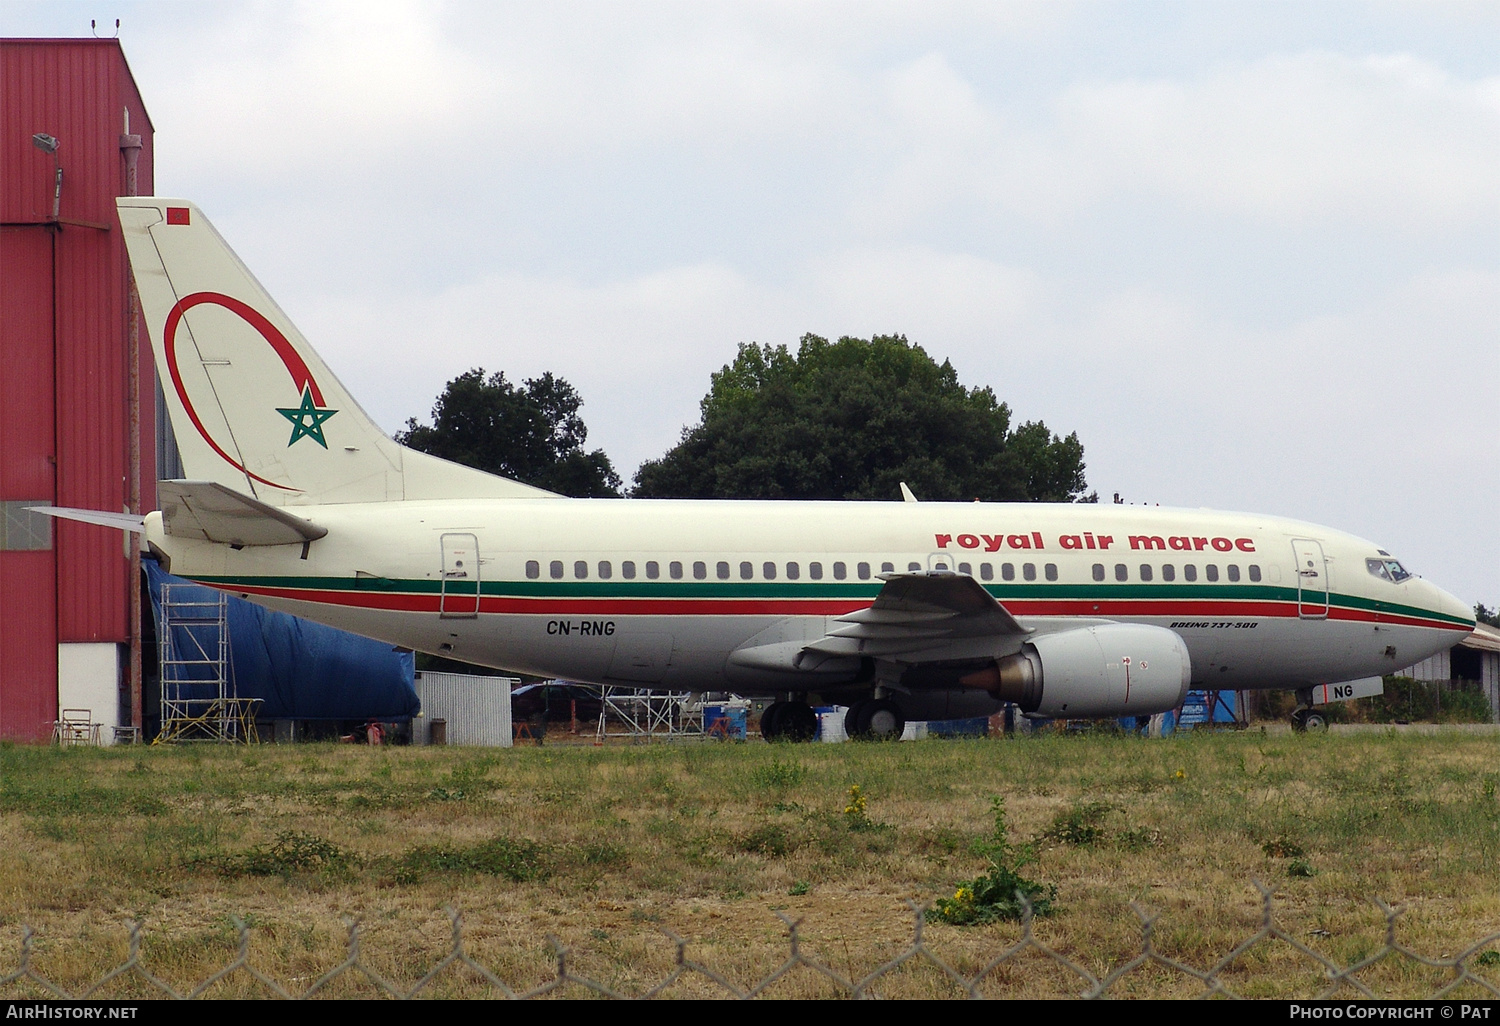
pixel 1001 892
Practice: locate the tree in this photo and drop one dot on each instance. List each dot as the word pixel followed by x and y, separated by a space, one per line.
pixel 1486 615
pixel 852 419
pixel 532 434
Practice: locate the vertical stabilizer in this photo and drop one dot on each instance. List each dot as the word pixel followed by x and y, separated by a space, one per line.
pixel 253 406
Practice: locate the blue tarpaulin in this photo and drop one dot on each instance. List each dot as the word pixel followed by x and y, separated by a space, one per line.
pixel 303 670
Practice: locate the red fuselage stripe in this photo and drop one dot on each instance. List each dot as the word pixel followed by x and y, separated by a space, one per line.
pixel 429 603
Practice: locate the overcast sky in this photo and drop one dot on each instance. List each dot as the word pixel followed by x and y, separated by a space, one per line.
pixel 1249 252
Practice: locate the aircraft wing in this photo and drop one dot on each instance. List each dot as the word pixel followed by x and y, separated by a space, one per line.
pixel 919 613
pixel 208 510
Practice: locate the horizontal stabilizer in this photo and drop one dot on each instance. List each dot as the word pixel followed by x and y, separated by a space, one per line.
pixel 122 521
pixel 208 510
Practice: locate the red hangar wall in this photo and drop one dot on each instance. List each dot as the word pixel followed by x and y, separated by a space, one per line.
pixel 77 386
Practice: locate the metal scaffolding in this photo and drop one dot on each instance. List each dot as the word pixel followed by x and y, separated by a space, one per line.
pixel 645 714
pixel 198 697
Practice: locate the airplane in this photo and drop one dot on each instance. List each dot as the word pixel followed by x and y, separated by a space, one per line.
pixel 900 610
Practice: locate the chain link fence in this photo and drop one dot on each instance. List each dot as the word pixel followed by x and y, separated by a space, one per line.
pixel 1455 976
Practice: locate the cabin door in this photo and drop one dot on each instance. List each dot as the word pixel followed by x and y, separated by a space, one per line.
pixel 1312 579
pixel 460 587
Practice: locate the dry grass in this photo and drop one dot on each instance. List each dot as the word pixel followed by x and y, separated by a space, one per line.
pixel 604 847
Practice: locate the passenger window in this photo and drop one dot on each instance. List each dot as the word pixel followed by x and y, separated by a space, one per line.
pixel 605 570
pixel 966 568
pixel 1098 571
pixel 1051 571
pixel 840 571
pixel 1234 572
pixel 793 571
pixel 1122 572
pixel 1008 571
pixel 1254 572
pixel 1168 572
pixel 1145 571
pixel 768 570
pixel 627 570
pixel 1190 573
pixel 556 569
pixel 815 571
pixel 913 567
pixel 987 571
pixel 1028 571
pixel 721 568
pixel 653 569
pixel 700 570
pixel 675 569
pixel 1211 572
pixel 533 569
pixel 581 569
pixel 864 571
pixel 887 568
pixel 747 570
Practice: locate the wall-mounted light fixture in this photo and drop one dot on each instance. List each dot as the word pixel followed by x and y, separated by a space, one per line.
pixel 48 144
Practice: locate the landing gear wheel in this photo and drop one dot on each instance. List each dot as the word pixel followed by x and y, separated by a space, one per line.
pixel 876 720
pixel 1314 722
pixel 1299 720
pixel 797 722
pixel 770 729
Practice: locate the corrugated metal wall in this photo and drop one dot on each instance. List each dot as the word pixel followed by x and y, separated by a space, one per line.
pixel 476 709
pixel 64 378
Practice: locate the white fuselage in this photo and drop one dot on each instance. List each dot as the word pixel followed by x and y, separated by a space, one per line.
pixel 659 593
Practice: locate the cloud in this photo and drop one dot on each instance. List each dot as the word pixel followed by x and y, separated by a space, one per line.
pixel 1288 139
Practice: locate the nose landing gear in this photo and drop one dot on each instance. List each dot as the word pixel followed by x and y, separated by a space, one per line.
pixel 1305 718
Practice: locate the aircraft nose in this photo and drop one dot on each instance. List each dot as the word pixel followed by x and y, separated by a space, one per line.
pixel 1450 605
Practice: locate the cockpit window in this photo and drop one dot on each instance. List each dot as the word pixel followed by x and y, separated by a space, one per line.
pixel 1387 569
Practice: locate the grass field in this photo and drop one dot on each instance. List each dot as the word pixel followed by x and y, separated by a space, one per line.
pixel 606 847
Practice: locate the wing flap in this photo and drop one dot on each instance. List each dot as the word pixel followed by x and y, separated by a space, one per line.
pixel 919 615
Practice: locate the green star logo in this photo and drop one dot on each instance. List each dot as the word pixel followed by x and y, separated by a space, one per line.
pixel 307 420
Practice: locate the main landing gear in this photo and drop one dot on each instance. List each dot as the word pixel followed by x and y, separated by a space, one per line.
pixel 788 721
pixel 876 719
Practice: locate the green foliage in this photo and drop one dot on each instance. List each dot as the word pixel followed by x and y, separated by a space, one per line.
pixel 1081 826
pixel 771 839
pixel 1282 847
pixel 852 419
pixel 293 853
pixel 1002 892
pixel 778 775
pixel 1484 614
pixel 517 861
pixel 1407 701
pixel 533 433
pixel 1300 868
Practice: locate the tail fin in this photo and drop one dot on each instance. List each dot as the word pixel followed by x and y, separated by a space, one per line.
pixel 253 407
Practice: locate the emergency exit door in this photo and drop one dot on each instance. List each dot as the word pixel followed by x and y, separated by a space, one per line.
pixel 460 587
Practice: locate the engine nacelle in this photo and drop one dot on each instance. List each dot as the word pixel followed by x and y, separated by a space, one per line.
pixel 1117 669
